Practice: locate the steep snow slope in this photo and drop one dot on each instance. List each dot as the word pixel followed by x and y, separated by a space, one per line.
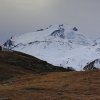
pixel 60 45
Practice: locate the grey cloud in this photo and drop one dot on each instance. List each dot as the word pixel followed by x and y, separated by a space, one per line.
pixel 19 16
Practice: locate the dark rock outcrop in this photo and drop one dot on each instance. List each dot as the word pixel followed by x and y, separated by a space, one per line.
pixel 59 32
pixel 75 29
pixel 91 65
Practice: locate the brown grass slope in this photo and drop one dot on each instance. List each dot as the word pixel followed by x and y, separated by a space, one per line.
pixel 53 86
pixel 17 82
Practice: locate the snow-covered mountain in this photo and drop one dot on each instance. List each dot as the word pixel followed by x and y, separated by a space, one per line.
pixel 59 45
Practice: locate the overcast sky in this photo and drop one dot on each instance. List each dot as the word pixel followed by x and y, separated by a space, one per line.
pixel 22 16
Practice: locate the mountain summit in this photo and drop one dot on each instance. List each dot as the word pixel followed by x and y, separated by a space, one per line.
pixel 59 45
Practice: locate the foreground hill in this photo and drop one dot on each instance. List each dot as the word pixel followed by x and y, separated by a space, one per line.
pixel 26 62
pixel 59 45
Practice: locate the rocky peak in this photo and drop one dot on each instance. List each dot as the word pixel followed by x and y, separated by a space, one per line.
pixel 59 32
pixel 9 43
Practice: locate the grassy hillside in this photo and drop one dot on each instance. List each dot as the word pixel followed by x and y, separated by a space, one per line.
pixel 23 77
pixel 24 61
pixel 13 64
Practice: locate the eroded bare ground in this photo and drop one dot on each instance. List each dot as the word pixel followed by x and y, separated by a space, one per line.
pixel 52 86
